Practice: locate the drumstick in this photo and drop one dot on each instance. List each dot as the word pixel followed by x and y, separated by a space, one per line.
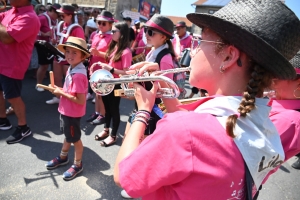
pixel 45 87
pixel 51 79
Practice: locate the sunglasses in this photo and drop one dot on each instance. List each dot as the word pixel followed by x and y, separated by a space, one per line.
pixel 195 44
pixel 150 32
pixel 101 23
pixel 114 31
pixel 42 10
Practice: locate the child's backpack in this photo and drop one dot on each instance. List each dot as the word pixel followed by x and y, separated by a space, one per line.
pixel 178 78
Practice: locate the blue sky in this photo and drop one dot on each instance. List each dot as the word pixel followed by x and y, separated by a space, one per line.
pixel 183 7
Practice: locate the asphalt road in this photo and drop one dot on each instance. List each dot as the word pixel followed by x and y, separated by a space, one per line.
pixel 24 176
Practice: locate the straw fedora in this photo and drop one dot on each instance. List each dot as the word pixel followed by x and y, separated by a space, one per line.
pixel 267 31
pixel 76 43
pixel 162 24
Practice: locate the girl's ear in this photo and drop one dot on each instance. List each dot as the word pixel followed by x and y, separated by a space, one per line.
pixel 231 56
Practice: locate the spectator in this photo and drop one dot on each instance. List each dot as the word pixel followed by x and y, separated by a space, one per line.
pixel 16 45
pixel 239 57
pixel 182 39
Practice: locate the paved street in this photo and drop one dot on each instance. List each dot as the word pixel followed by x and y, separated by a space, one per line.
pixel 24 176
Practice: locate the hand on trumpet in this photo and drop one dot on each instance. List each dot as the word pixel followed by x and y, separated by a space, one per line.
pixel 145 99
pixel 143 67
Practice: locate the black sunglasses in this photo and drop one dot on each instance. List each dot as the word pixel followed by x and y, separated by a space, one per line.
pixel 42 10
pixel 150 32
pixel 114 31
pixel 101 23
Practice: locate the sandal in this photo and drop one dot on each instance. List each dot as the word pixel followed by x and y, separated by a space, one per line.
pixel 10 111
pixel 104 135
pixel 104 144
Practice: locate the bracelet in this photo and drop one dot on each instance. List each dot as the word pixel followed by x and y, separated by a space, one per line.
pixel 143 117
pixel 112 70
pixel 144 111
pixel 138 120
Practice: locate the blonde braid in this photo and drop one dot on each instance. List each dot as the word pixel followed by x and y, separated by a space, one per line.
pixel 259 80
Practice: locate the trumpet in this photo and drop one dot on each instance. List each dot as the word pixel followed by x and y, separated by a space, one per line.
pixel 102 82
pixel 2 4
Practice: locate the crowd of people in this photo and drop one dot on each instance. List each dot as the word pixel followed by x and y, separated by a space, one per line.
pixel 233 63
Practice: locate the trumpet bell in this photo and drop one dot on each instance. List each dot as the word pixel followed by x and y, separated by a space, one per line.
pixel 98 86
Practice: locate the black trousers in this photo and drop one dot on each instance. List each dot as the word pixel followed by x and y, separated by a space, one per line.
pixel 112 111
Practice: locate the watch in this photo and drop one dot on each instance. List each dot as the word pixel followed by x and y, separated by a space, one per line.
pixel 112 70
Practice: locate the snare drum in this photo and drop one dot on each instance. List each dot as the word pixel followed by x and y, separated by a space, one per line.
pixel 186 58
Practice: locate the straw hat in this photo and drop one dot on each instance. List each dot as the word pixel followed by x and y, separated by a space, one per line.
pixel 267 31
pixel 161 23
pixel 76 43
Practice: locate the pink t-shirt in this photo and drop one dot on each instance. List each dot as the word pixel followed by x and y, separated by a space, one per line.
pixel 184 43
pixel 23 25
pixel 77 31
pixel 123 63
pixel 183 168
pixel 101 43
pixel 287 121
pixel 167 63
pixel 69 108
pixel 45 28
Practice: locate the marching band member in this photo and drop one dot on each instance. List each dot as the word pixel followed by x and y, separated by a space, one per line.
pixel 48 22
pixel 100 44
pixel 182 39
pixel 226 144
pixel 119 57
pixel 19 27
pixel 67 27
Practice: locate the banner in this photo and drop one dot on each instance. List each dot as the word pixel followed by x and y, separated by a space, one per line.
pixel 145 9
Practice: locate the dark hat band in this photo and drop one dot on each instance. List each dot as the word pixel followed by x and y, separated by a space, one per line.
pixel 151 24
pixel 69 12
pixel 78 46
pixel 106 18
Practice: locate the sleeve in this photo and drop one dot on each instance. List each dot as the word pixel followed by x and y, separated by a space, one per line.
pixel 20 30
pixel 79 84
pixel 126 59
pixel 44 24
pixel 163 158
pixel 77 32
pixel 167 63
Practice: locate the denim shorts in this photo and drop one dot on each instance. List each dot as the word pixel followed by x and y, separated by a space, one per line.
pixel 11 87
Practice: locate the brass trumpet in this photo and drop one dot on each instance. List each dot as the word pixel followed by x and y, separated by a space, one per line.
pixel 2 4
pixel 102 82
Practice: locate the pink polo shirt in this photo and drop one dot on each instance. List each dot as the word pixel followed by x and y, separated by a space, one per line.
pixel 23 25
pixel 287 121
pixel 45 28
pixel 182 168
pixel 123 63
pixel 101 43
pixel 69 108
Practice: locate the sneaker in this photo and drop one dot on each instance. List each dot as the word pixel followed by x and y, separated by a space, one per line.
pixel 39 89
pixel 89 96
pixel 54 163
pixel 72 172
pixel 296 164
pixel 92 117
pixel 54 100
pixel 5 124
pixel 99 120
pixel 18 135
pixel 125 195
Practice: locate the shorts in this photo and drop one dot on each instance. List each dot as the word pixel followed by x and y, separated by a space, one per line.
pixel 43 56
pixel 11 87
pixel 70 127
